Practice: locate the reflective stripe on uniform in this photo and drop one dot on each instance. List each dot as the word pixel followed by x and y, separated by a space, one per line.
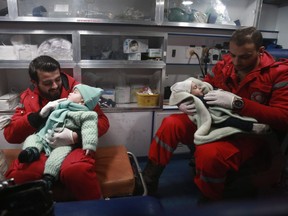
pixel 280 85
pixel 163 144
pixel 212 180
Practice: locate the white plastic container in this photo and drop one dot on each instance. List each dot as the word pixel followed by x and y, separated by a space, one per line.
pixel 122 94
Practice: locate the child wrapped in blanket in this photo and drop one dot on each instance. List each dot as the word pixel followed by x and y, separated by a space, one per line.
pixel 212 122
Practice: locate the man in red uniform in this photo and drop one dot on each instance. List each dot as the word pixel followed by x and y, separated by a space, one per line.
pixel 49 83
pixel 253 85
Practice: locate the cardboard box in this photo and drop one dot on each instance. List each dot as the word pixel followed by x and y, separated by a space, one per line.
pixel 134 56
pixel 154 53
pixel 135 46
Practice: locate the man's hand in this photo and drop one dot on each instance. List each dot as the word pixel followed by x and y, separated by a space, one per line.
pixel 188 107
pixel 220 98
pixel 59 137
pixel 45 111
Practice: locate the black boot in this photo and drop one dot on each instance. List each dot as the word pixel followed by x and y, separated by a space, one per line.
pixel 29 155
pixel 49 180
pixel 151 175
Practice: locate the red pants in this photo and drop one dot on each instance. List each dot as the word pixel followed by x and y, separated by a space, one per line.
pixel 213 160
pixel 77 174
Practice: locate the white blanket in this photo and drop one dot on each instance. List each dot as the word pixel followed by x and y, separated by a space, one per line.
pixel 205 118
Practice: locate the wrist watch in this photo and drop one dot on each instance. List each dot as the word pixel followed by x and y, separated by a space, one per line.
pixel 237 103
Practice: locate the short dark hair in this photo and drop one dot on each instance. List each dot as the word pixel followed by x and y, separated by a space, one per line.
pixel 247 35
pixel 43 63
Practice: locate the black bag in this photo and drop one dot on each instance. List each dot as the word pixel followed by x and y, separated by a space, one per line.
pixel 32 198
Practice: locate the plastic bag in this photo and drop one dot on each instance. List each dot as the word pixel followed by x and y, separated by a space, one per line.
pixel 218 13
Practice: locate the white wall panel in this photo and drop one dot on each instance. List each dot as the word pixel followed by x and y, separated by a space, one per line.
pixel 132 129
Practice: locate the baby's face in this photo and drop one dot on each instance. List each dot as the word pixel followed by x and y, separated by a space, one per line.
pixel 75 96
pixel 196 90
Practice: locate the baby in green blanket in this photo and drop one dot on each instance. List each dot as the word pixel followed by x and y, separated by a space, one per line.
pixel 76 113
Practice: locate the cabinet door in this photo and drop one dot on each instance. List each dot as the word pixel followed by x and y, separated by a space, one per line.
pixel 132 129
pixel 90 10
pixel 209 13
pixel 21 45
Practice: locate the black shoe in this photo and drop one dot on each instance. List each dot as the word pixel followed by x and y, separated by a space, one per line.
pixel 29 155
pixel 151 185
pixel 151 175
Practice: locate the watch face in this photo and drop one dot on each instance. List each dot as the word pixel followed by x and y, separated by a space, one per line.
pixel 238 104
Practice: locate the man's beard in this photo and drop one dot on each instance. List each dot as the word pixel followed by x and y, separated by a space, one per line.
pixel 52 95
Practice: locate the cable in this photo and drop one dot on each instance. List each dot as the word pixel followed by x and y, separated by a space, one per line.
pixel 192 52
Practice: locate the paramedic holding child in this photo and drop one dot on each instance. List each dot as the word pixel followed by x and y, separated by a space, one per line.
pixel 254 85
pixel 49 83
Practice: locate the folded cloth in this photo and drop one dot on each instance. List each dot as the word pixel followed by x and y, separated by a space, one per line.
pixel 3 165
pixel 4 121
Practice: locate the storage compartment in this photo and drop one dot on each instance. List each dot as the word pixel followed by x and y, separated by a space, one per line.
pixel 124 82
pixel 25 46
pixel 219 12
pixel 97 9
pixel 119 46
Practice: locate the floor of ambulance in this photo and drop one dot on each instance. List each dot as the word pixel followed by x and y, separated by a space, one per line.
pixel 178 191
pixel 176 186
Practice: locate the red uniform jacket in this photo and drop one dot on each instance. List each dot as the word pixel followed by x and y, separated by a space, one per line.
pixel 264 90
pixel 20 127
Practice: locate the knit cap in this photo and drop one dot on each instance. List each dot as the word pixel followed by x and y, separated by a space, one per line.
pixel 90 95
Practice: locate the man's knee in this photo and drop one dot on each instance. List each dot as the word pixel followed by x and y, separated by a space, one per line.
pixel 78 170
pixel 206 156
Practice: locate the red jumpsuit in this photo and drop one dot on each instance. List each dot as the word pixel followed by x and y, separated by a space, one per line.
pixel 77 171
pixel 265 94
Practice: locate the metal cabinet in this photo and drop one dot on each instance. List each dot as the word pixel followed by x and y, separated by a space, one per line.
pixel 65 29
pixel 102 59
pixel 198 13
